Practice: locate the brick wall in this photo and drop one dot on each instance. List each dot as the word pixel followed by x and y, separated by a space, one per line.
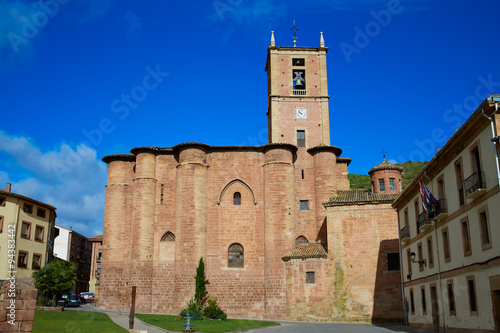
pixel 23 306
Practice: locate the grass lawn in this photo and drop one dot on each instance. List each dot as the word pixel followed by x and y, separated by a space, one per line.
pixel 74 322
pixel 206 326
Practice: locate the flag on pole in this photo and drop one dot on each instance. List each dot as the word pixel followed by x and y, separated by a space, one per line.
pixel 429 203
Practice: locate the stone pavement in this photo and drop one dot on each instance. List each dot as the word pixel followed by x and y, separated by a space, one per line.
pixel 121 318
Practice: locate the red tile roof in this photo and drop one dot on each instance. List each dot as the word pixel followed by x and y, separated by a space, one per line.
pixel 360 196
pixel 306 251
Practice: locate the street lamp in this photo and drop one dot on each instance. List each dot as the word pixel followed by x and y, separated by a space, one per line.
pixel 413 255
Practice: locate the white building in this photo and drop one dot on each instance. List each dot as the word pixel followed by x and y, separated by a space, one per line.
pixel 453 282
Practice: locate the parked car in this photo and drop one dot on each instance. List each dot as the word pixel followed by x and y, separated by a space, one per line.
pixel 87 297
pixel 73 301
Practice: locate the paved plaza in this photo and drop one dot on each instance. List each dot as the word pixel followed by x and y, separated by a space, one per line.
pixel 121 318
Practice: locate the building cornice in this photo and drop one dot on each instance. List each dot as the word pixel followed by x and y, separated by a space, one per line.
pixel 457 143
pixel 118 157
pixel 345 160
pixel 320 149
pixel 27 199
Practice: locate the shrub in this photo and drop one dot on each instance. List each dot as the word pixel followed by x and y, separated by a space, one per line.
pixel 213 311
pixel 195 309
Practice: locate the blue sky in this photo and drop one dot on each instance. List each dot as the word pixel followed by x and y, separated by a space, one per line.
pixel 81 79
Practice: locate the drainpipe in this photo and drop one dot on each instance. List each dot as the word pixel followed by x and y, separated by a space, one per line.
pixel 405 318
pixel 441 295
pixel 440 289
pixel 494 141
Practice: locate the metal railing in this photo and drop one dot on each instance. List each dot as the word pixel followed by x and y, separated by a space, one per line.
pixel 405 232
pixel 423 220
pixel 475 182
pixel 442 207
pixel 299 92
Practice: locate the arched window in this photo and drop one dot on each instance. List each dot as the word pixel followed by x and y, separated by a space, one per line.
pixel 235 256
pixel 301 240
pixel 168 237
pixel 237 198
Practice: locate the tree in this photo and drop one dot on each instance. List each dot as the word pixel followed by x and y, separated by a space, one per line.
pixel 201 281
pixel 55 278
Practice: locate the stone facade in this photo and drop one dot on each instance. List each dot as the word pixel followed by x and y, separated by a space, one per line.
pixel 17 305
pixel 168 206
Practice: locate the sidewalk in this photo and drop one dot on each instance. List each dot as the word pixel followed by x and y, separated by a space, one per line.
pixel 122 320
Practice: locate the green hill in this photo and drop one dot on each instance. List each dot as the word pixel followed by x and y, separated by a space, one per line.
pixel 411 170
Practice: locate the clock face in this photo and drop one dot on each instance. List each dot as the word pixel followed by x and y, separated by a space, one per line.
pixel 301 113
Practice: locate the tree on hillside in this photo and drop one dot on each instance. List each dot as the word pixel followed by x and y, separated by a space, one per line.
pixel 55 279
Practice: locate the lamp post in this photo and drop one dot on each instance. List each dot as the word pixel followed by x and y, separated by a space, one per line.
pixel 422 262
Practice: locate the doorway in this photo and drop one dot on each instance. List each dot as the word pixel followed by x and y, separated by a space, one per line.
pixel 435 308
pixel 495 299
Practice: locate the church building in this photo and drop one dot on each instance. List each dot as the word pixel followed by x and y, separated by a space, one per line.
pixel 281 233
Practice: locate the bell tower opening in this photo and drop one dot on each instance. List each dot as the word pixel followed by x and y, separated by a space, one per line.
pixel 298 95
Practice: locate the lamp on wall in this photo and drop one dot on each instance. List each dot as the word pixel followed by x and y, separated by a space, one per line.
pixel 413 255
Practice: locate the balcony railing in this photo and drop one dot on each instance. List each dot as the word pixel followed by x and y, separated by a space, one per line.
pixel 299 92
pixel 441 209
pixel 475 185
pixel 405 234
pixel 424 222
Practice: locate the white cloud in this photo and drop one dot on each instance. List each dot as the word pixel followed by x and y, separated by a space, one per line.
pixel 71 179
pixel 13 26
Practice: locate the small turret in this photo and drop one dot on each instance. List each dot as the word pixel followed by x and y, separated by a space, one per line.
pixel 386 178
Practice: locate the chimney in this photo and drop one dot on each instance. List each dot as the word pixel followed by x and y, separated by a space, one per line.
pixel 8 187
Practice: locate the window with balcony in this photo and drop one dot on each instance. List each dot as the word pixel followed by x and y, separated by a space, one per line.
pixel 39 233
pixel 442 206
pixel 460 181
pixel 98 269
pixel 26 230
pixel 417 215
pixel 475 184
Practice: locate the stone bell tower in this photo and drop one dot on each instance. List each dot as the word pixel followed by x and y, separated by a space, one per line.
pixel 298 95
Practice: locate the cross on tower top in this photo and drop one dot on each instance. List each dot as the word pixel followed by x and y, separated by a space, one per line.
pixel 383 152
pixel 294 36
